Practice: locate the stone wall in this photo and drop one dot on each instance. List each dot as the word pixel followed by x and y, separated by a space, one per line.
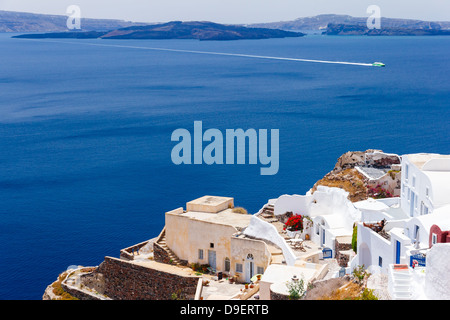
pixel 159 254
pixel 123 280
pixel 342 252
pixel 283 218
pixel 75 292
pixel 278 296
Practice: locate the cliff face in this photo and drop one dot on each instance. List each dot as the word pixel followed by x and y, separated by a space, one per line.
pixel 360 172
pixel 348 179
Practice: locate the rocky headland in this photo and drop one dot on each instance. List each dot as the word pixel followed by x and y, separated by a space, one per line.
pixel 360 172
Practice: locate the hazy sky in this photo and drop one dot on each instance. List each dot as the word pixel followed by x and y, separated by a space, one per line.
pixel 232 11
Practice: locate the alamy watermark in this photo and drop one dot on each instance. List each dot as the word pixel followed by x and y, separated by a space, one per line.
pixel 74 17
pixel 374 20
pixel 225 150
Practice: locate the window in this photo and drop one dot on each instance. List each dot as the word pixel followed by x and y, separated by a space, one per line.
pixel 227 265
pixel 249 256
pixel 380 261
pixel 416 232
pixel 238 267
pixel 427 192
pixel 259 270
pixel 200 254
pixel 425 210
pixel 211 245
pixel 414 181
pixel 434 238
pixel 406 172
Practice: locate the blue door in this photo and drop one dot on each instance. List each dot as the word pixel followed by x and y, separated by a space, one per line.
pixel 397 253
pixel 212 259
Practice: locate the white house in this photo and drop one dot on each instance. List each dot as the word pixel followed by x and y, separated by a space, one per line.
pixel 425 183
pixel 333 215
pixel 420 218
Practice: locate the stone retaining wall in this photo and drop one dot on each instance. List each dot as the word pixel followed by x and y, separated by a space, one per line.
pixel 278 296
pixel 342 258
pixel 127 281
pixel 77 293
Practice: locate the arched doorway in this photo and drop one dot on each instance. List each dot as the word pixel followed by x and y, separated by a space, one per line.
pixel 365 257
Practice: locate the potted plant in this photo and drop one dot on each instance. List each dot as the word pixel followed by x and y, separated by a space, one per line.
pixel 293 225
pixel 246 286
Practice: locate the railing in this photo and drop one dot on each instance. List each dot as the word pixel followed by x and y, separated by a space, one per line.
pixel 420 258
pixel 327 253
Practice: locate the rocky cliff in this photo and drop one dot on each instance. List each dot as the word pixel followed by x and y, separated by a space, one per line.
pixel 360 172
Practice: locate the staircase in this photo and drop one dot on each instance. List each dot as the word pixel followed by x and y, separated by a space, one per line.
pixel 173 259
pixel 400 283
pixel 268 211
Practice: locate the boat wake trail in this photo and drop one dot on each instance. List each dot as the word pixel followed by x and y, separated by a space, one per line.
pixel 212 53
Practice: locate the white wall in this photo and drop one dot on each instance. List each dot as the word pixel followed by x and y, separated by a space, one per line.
pixel 376 246
pixel 414 181
pixel 263 230
pixel 437 278
pixel 296 204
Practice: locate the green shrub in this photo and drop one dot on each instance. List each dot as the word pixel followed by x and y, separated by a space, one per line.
pixel 367 294
pixel 360 273
pixel 355 238
pixel 296 289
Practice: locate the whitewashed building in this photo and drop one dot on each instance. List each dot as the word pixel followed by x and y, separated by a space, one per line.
pixel 415 221
pixel 332 214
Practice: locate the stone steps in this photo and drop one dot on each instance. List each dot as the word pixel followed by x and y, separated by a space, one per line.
pixel 172 256
pixel 268 211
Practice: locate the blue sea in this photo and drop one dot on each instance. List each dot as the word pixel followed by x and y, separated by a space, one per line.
pixel 85 132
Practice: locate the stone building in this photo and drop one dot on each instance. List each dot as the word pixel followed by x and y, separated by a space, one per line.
pixel 209 232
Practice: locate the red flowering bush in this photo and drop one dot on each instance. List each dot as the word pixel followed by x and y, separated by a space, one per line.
pixel 294 223
pixel 378 192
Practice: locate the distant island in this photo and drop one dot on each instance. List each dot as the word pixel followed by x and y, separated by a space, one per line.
pixel 175 30
pixel 54 26
pixel 348 29
pixel 324 21
pixel 11 21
